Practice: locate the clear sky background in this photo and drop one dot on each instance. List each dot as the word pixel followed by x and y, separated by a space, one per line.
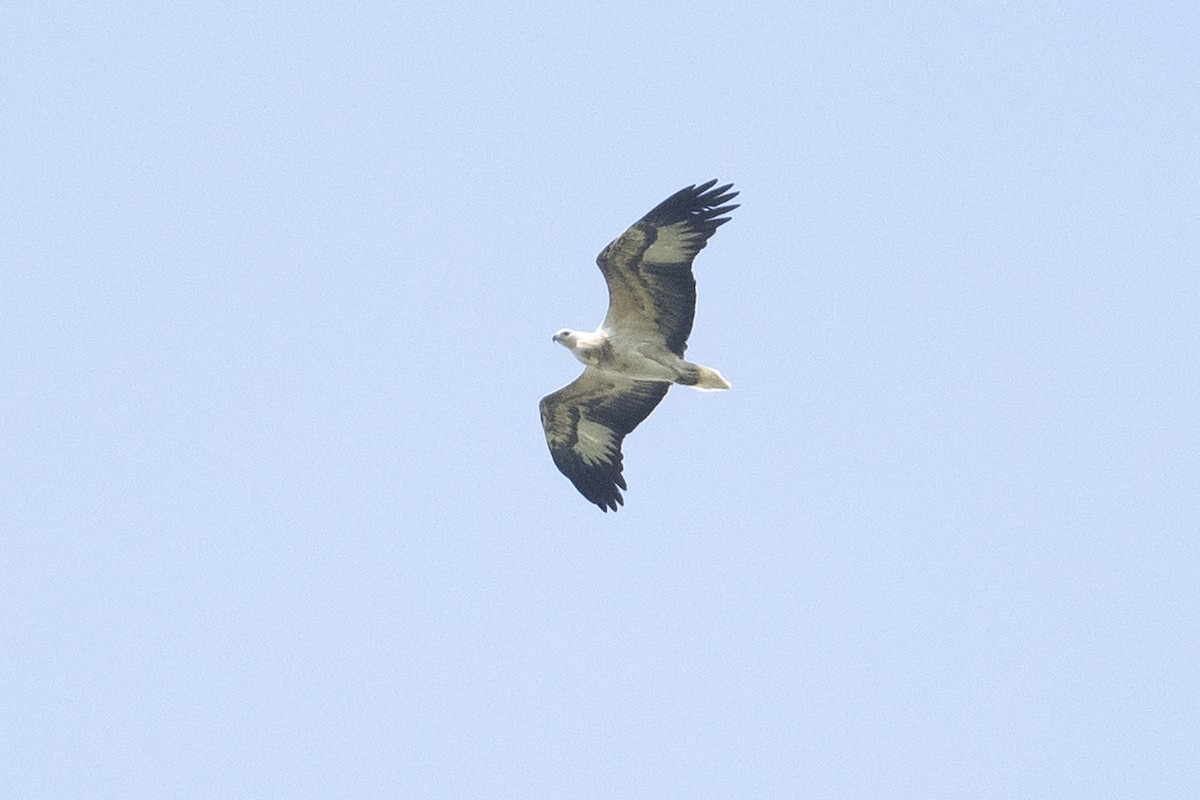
pixel 276 300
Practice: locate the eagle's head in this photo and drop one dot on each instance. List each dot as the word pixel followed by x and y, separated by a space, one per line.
pixel 565 337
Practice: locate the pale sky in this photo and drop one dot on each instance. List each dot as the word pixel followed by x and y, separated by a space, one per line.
pixel 276 302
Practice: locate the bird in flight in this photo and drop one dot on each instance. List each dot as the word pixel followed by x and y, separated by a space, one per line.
pixel 635 355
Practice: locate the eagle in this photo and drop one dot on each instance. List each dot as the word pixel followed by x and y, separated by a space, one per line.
pixel 635 355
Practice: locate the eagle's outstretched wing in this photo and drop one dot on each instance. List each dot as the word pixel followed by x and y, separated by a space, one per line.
pixel 648 268
pixel 585 423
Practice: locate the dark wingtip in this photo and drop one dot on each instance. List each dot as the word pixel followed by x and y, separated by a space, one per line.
pixel 612 502
pixel 719 195
pixel 699 202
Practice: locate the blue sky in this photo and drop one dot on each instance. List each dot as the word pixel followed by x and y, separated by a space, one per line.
pixel 275 316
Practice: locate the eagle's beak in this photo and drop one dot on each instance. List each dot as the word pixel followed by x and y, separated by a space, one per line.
pixel 554 338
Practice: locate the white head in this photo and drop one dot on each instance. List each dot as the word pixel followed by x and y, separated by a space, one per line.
pixel 567 338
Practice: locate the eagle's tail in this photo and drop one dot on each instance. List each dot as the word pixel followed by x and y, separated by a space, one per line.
pixel 703 378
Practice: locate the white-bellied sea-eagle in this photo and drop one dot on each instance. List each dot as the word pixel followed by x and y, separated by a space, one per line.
pixel 637 352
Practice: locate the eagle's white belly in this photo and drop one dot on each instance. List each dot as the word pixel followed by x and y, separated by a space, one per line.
pixel 636 365
pixel 633 358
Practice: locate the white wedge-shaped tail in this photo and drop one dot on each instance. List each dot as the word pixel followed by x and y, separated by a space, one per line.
pixel 710 380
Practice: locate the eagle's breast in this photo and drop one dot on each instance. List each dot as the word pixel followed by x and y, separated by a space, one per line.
pixel 599 354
